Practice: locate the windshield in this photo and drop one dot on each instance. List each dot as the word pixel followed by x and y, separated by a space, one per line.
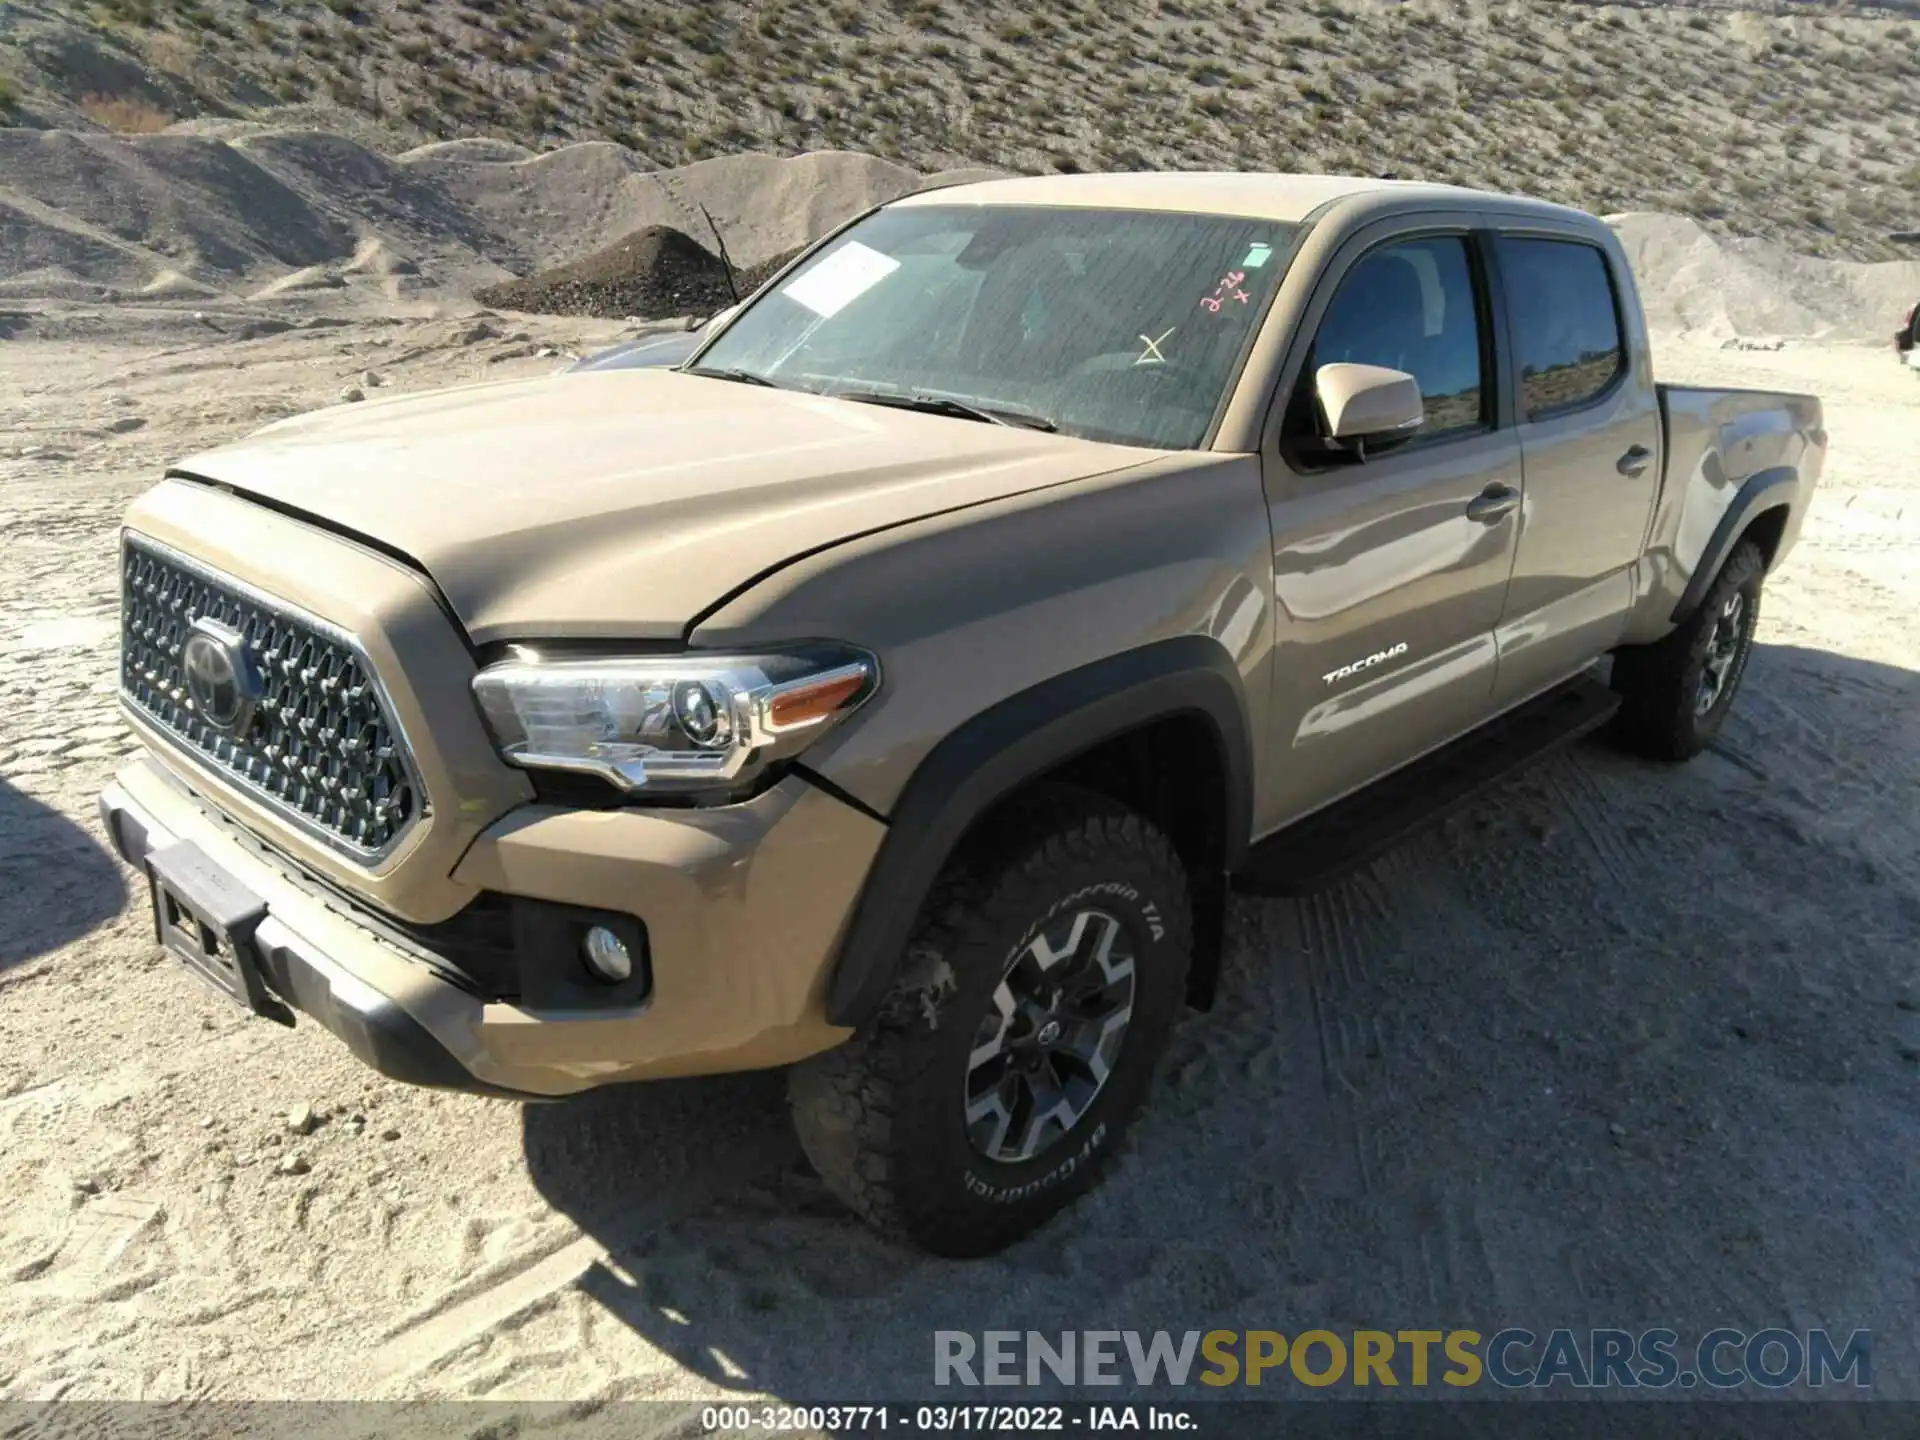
pixel 1118 325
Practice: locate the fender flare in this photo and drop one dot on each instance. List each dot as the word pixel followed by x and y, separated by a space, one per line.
pixel 1762 491
pixel 1013 741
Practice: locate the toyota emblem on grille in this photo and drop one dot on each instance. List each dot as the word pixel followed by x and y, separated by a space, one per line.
pixel 220 675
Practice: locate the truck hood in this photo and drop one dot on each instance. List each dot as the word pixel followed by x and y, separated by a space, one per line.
pixel 626 503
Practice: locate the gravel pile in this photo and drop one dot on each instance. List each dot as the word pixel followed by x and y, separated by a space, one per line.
pixel 654 273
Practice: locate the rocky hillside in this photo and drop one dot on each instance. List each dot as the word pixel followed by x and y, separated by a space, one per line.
pixel 1795 122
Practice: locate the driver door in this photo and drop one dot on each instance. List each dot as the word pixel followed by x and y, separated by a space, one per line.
pixel 1390 574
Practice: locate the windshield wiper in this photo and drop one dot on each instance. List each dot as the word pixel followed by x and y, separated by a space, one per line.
pixel 745 377
pixel 948 405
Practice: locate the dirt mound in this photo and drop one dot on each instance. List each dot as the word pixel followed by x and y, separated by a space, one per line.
pixel 568 203
pixel 239 211
pixel 655 272
pixel 251 212
pixel 752 279
pixel 1692 281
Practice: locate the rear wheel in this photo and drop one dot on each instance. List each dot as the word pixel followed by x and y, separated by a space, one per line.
pixel 1675 694
pixel 1034 1000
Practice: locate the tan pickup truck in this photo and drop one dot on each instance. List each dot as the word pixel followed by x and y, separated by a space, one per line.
pixel 895 689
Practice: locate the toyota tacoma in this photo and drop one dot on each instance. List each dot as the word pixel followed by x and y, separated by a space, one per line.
pixel 894 690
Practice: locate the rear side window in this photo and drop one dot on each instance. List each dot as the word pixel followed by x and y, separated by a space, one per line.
pixel 1412 307
pixel 1566 322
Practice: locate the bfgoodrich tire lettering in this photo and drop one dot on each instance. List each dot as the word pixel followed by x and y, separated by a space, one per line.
pixel 885 1117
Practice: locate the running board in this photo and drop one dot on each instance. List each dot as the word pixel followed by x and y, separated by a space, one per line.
pixel 1306 856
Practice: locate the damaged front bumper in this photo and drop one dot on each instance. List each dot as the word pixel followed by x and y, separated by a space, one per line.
pixel 737 912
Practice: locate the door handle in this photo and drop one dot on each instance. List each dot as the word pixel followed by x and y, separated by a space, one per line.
pixel 1634 462
pixel 1493 503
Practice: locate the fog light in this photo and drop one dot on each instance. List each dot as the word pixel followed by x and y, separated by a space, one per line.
pixel 607 955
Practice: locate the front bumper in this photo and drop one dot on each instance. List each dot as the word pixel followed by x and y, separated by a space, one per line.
pixel 377 1029
pixel 744 908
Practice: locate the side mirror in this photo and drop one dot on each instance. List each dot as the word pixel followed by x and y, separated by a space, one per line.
pixel 1368 408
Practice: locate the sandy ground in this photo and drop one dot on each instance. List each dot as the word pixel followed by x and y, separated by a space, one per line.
pixel 1623 1045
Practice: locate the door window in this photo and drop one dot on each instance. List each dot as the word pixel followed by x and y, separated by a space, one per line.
pixel 1411 307
pixel 1566 322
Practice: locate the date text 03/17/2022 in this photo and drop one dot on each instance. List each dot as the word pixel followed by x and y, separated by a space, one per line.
pixel 942 1419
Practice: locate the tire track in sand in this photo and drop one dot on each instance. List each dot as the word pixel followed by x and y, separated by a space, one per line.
pixel 1327 1046
pixel 422 1343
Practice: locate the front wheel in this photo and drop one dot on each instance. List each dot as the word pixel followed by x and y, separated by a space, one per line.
pixel 1035 998
pixel 1675 694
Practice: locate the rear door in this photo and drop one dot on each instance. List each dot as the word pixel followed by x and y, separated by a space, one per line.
pixel 1590 436
pixel 1387 589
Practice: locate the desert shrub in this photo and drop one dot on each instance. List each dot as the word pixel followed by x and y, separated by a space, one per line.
pixel 124 113
pixel 1705 204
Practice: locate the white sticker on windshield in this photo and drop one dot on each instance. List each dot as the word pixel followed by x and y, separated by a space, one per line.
pixel 1257 256
pixel 843 277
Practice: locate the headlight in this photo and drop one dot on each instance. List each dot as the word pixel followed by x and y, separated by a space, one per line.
pixel 672 723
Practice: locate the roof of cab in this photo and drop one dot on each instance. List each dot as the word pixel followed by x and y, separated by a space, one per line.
pixel 1280 197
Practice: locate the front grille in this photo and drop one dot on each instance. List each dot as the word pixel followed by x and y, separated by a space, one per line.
pixel 320 745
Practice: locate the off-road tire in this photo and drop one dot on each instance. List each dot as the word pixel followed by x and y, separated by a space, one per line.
pixel 1660 684
pixel 883 1116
